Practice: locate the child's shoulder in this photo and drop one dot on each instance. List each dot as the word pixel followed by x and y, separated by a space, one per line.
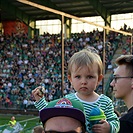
pixel 70 96
pixel 104 97
pixel 104 101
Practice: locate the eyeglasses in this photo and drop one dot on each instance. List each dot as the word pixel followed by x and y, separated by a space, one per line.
pixel 62 132
pixel 116 78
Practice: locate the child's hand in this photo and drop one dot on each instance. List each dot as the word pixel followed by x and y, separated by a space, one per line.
pixel 37 93
pixel 103 127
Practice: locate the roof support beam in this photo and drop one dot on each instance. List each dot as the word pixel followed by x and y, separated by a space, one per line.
pixel 101 11
pixel 49 4
pixel 14 11
pixel 71 16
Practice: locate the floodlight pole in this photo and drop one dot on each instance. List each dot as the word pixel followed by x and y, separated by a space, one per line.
pixel 104 36
pixel 131 46
pixel 62 54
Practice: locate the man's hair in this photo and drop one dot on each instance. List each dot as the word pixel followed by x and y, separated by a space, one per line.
pixel 87 58
pixel 126 60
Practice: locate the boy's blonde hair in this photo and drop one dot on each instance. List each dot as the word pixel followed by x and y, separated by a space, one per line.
pixel 87 58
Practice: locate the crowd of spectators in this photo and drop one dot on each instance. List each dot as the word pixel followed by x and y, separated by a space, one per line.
pixel 30 62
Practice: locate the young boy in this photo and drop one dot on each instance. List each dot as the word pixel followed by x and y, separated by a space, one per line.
pixel 85 73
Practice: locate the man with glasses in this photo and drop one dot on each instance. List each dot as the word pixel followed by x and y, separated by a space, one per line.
pixel 63 116
pixel 122 84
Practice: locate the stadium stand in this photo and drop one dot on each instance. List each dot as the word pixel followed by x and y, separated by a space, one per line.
pixel 29 62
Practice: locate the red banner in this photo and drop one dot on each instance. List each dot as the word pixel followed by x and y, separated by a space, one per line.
pixel 15 27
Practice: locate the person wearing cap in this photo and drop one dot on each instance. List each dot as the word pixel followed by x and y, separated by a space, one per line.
pixel 122 84
pixel 63 116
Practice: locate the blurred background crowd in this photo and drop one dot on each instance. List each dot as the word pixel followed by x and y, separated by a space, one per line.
pixel 28 63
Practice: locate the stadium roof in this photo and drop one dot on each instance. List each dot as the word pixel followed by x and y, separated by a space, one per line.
pixel 12 9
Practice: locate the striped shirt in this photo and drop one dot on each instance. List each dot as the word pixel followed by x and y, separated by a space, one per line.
pixel 103 102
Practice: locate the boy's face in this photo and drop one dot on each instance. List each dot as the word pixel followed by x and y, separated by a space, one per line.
pixel 85 80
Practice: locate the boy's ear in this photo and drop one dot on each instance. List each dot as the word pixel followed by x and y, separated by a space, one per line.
pixel 69 78
pixel 100 78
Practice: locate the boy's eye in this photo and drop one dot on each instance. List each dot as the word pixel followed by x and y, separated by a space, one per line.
pixel 77 76
pixel 90 77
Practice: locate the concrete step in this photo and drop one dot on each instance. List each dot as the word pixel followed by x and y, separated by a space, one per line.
pixel 117 54
pixel 109 72
pixel 107 75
